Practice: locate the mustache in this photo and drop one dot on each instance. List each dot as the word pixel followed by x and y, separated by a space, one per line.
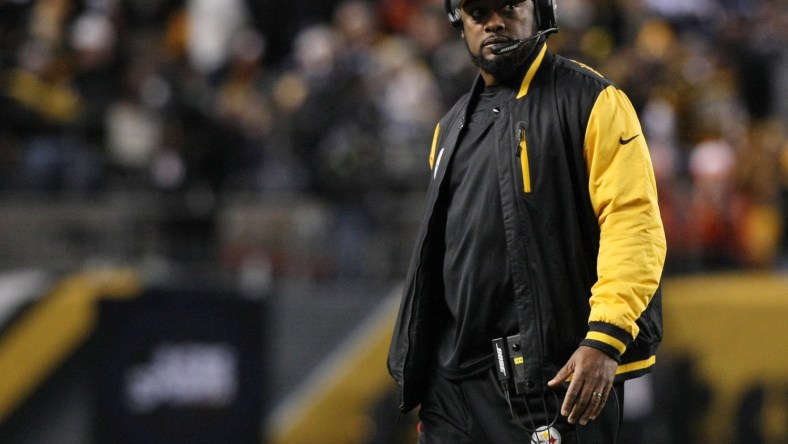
pixel 495 40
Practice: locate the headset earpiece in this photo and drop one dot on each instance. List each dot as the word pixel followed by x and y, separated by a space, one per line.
pixel 546 15
pixel 453 11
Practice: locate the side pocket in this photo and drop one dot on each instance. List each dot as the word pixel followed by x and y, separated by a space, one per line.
pixel 522 153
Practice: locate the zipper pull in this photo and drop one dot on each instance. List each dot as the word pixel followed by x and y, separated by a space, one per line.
pixel 520 138
pixel 400 414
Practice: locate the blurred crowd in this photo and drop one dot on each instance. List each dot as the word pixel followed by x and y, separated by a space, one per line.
pixel 340 104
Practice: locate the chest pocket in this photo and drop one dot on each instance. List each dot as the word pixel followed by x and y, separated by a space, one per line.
pixel 522 154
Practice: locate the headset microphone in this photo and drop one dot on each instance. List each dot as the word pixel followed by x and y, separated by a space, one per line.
pixel 503 48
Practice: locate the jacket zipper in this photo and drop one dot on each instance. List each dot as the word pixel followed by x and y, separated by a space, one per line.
pixel 522 153
pixel 437 164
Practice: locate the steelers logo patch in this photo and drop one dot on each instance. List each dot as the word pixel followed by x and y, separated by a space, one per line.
pixel 546 435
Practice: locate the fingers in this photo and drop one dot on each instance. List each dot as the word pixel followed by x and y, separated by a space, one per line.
pixel 595 406
pixel 570 401
pixel 584 404
pixel 581 403
pixel 592 378
pixel 586 396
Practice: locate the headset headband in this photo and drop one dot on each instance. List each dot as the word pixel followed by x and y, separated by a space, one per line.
pixel 544 10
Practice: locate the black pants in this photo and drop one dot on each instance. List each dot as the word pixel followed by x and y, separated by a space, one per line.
pixel 475 411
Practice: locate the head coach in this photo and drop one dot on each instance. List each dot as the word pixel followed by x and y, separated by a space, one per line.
pixel 533 290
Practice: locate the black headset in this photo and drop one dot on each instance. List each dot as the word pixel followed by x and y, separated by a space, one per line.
pixel 543 9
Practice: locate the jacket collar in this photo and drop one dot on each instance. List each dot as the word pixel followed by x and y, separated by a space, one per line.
pixel 535 61
pixel 531 72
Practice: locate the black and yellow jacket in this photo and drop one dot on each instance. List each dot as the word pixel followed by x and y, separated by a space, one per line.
pixel 583 231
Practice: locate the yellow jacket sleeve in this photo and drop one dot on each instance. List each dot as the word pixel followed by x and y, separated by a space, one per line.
pixel 632 239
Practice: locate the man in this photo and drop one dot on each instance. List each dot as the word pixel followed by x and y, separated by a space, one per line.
pixel 541 221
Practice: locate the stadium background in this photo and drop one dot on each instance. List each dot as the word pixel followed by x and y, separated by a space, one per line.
pixel 241 179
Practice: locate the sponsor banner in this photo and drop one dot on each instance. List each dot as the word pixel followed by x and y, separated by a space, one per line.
pixel 179 368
